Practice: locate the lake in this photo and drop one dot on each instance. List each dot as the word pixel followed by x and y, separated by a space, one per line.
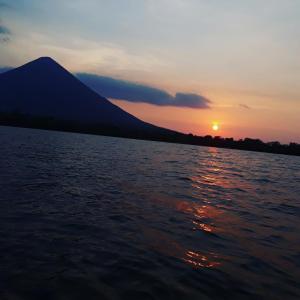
pixel 93 217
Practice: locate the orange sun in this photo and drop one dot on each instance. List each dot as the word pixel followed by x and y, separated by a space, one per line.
pixel 215 126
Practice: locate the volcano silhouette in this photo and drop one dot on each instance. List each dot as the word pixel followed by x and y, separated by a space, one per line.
pixel 43 88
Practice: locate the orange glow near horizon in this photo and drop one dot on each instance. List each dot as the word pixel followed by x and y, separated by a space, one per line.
pixel 254 123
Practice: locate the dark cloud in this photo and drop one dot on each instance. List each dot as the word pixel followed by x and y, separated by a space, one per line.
pixel 4 30
pixel 4 33
pixel 4 5
pixel 244 106
pixel 134 92
pixel 8 4
pixel 190 100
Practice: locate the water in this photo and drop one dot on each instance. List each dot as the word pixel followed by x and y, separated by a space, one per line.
pixel 91 217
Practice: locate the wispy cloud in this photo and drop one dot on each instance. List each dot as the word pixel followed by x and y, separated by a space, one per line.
pixel 4 34
pixel 4 31
pixel 135 92
pixel 244 106
pixel 9 4
pixel 3 5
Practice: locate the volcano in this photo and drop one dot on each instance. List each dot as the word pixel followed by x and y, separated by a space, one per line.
pixel 44 89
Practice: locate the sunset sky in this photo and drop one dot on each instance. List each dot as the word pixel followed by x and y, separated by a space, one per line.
pixel 181 64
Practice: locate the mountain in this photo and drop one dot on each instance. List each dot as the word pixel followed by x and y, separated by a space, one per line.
pixel 43 88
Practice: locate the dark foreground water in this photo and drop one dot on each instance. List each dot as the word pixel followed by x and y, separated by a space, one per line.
pixel 91 217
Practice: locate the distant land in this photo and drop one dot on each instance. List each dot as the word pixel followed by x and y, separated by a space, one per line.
pixel 42 94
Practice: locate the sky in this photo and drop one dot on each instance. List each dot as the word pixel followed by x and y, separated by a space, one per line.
pixel 180 64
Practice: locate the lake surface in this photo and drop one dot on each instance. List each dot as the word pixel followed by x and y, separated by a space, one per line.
pixel 92 217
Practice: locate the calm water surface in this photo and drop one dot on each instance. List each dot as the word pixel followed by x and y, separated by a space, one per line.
pixel 91 217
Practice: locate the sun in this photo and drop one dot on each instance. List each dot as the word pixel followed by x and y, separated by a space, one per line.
pixel 215 126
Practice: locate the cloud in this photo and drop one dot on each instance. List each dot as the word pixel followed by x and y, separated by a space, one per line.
pixel 9 4
pixel 4 5
pixel 4 33
pixel 190 100
pixel 244 106
pixel 4 30
pixel 135 92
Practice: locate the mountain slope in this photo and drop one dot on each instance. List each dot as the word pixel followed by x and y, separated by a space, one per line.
pixel 43 88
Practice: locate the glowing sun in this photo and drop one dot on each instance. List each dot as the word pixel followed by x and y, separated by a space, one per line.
pixel 215 127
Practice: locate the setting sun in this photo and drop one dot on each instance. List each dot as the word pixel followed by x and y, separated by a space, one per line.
pixel 215 127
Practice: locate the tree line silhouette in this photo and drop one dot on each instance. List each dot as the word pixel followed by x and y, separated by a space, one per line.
pixel 22 120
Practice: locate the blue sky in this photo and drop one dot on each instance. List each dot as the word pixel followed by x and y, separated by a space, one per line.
pixel 236 53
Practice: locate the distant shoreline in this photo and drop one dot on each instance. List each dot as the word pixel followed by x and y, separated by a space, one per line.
pixel 44 123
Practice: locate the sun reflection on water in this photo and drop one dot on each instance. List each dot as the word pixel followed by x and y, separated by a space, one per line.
pixel 202 215
pixel 198 260
pixel 202 226
pixel 166 245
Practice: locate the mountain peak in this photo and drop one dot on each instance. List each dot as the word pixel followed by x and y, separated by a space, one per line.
pixel 45 67
pixel 45 59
